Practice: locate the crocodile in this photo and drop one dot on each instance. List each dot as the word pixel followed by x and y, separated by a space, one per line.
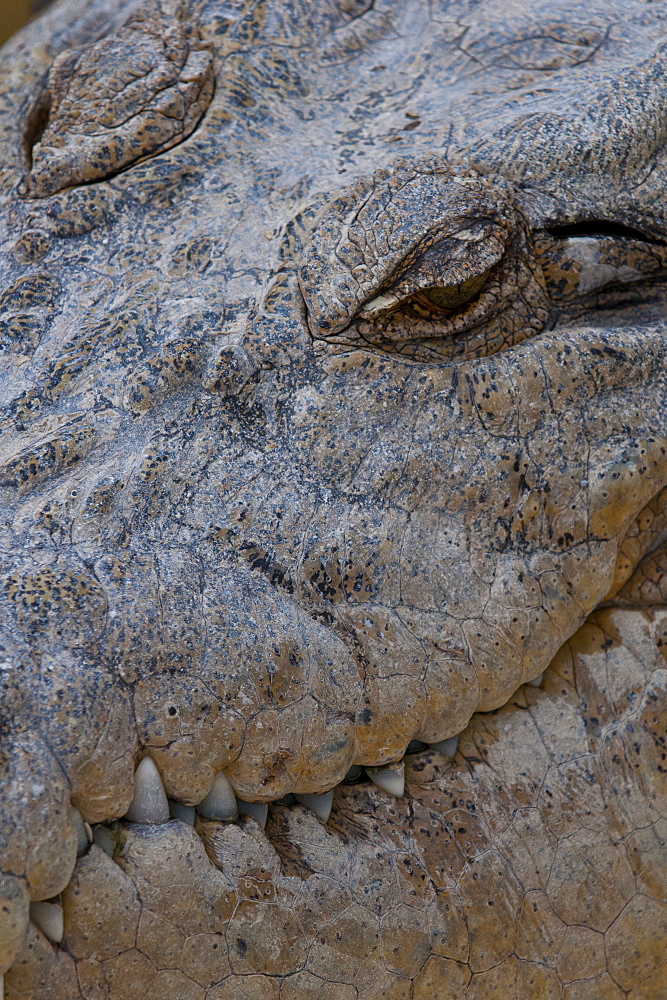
pixel 333 496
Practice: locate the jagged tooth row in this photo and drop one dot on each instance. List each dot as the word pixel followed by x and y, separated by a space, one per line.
pixel 150 804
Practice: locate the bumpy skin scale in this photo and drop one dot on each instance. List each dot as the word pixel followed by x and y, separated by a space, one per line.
pixel 334 411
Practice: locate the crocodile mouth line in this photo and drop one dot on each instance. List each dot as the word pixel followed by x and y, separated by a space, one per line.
pixel 277 822
pixel 251 854
pixel 150 807
pixel 350 809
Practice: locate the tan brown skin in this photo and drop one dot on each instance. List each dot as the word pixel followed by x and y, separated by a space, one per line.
pixel 318 440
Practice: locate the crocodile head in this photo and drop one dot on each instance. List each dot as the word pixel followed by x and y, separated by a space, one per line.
pixel 334 413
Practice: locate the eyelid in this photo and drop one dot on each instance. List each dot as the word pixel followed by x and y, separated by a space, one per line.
pixel 365 243
pixel 465 258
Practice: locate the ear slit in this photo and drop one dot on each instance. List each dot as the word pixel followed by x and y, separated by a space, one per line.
pixel 601 227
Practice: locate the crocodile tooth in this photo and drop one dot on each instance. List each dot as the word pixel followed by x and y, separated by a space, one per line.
pixel 220 803
pixel 536 681
pixel 258 810
pixel 149 804
pixel 104 840
pixel 319 804
pixel 185 813
pixel 49 918
pixel 446 747
pixel 390 778
pixel 84 835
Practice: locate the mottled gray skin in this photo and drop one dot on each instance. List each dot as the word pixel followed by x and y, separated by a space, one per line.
pixel 334 404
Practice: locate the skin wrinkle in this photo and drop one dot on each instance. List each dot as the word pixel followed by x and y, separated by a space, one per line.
pixel 241 531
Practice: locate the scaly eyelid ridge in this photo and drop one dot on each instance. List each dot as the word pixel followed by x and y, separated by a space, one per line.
pixel 373 232
pixel 430 271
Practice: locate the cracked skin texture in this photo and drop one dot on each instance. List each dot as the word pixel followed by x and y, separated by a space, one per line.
pixel 325 429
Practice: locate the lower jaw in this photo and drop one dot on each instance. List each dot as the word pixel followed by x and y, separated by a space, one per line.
pixel 537 850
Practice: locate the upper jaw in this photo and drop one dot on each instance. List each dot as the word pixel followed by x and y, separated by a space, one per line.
pixel 285 686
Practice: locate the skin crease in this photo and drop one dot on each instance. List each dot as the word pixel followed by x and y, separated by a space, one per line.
pixel 270 508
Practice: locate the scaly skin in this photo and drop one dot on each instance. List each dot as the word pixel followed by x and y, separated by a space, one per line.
pixel 334 411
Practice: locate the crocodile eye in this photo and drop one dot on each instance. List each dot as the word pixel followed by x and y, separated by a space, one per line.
pixel 431 264
pixel 448 297
pixel 433 287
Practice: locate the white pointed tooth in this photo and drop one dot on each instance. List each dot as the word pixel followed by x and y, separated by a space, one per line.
pixel 220 803
pixel 258 810
pixel 319 804
pixel 446 747
pixel 102 837
pixel 49 918
pixel 536 681
pixel 149 804
pixel 390 778
pixel 84 834
pixel 185 813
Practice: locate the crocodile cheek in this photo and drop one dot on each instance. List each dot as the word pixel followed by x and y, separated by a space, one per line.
pixel 499 560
